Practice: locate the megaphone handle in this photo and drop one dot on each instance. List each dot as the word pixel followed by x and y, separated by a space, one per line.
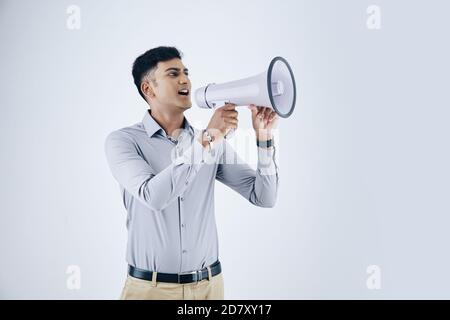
pixel 220 103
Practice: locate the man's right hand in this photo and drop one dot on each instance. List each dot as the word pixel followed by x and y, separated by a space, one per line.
pixel 223 120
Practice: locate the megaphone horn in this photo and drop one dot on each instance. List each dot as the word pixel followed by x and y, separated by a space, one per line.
pixel 273 88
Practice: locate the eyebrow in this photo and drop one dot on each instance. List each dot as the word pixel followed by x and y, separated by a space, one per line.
pixel 176 69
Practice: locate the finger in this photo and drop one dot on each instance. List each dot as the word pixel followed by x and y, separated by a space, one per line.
pixel 272 115
pixel 231 125
pixel 267 112
pixel 231 120
pixel 252 107
pixel 260 113
pixel 230 113
pixel 229 106
pixel 232 117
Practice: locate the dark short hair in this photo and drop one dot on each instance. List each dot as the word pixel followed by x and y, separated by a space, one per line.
pixel 148 60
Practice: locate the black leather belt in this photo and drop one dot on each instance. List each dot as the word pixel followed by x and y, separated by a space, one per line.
pixel 187 277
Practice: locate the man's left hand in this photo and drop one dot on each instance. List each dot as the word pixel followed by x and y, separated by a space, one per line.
pixel 264 119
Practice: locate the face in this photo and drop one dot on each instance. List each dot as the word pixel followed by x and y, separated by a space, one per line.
pixel 170 87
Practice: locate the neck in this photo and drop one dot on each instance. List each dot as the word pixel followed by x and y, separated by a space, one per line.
pixel 169 121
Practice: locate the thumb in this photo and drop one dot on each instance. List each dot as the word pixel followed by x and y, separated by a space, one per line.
pixel 253 108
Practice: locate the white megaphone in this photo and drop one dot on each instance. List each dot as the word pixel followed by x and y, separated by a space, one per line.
pixel 273 88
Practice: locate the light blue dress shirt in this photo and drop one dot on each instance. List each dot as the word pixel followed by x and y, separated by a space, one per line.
pixel 167 189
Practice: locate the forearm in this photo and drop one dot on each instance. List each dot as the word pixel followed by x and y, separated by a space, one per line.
pixel 266 180
pixel 154 189
pixel 175 179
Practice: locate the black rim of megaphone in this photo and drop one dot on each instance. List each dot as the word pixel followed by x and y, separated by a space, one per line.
pixel 269 86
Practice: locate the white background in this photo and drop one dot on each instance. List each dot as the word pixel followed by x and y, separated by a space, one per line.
pixel 363 160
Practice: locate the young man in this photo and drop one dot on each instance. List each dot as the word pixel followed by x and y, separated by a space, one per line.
pixel 166 171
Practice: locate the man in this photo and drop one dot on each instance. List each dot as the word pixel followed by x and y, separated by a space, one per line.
pixel 166 171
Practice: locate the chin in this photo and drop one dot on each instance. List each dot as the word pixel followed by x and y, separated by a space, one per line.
pixel 186 106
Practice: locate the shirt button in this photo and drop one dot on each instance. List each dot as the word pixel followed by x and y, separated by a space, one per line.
pixel 182 225
pixel 187 182
pixel 184 251
pixel 181 198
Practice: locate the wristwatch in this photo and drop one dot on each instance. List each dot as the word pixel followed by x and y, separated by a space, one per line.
pixel 264 144
pixel 208 137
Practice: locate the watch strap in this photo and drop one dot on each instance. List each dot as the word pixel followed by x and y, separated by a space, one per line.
pixel 264 144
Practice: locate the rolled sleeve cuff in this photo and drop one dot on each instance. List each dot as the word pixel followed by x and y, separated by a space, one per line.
pixel 266 161
pixel 197 154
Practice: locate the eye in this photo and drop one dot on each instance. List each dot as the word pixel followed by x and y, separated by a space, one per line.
pixel 173 74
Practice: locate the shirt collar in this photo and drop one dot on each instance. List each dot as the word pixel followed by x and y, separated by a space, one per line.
pixel 151 126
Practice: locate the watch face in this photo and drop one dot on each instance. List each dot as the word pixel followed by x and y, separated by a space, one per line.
pixel 208 136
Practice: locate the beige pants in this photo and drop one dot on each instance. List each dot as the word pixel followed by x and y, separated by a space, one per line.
pixel 207 289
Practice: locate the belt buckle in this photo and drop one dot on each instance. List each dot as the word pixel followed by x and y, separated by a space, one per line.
pixel 192 272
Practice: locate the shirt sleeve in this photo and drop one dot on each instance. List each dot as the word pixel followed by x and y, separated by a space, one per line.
pixel 259 186
pixel 155 190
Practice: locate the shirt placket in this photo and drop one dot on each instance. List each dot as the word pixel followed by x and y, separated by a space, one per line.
pixel 182 228
pixel 181 221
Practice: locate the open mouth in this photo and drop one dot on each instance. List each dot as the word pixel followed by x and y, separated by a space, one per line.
pixel 184 92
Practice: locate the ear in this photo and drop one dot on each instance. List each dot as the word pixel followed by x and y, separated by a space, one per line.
pixel 147 89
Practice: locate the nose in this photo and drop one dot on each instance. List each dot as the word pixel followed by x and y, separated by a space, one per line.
pixel 183 79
